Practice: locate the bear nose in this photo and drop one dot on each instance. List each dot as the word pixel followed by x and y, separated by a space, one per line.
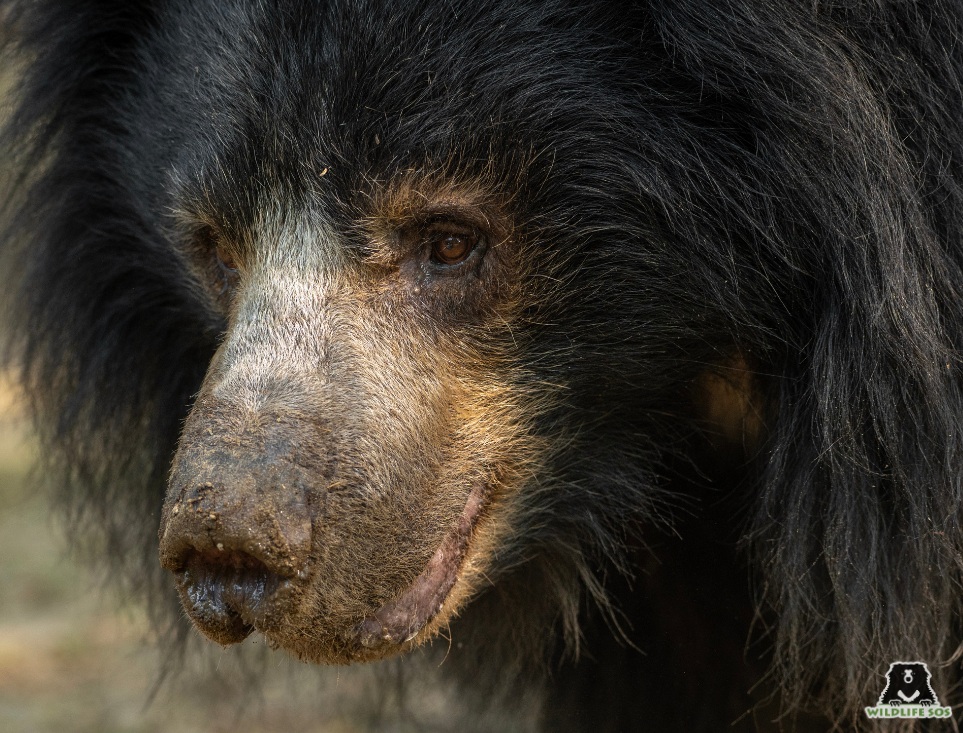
pixel 217 519
pixel 234 544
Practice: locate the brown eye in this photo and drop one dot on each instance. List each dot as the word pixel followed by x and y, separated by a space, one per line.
pixel 226 269
pixel 225 275
pixel 225 259
pixel 450 248
pixel 216 261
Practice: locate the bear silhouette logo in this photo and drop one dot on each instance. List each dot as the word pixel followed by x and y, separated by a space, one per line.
pixel 908 683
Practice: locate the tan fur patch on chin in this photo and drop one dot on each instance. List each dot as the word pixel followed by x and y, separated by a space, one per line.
pixel 729 402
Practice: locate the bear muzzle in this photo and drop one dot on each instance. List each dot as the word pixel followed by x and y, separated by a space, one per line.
pixel 234 549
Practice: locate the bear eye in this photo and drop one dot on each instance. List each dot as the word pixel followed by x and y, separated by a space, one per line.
pixel 227 275
pixel 451 245
pixel 221 266
pixel 225 260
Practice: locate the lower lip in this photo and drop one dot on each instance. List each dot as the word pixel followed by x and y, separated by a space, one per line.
pixel 402 618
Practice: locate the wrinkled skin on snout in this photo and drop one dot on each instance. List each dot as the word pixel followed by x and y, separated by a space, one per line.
pixel 339 475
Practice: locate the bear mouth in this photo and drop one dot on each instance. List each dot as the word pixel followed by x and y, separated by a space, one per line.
pixel 229 595
pixel 401 619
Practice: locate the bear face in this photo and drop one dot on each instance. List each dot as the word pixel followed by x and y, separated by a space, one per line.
pixel 374 334
pixel 342 482
pixel 377 320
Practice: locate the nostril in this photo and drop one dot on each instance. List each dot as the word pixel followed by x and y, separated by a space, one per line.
pixel 226 593
pixel 229 561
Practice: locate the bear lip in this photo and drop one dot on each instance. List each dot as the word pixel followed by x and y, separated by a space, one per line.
pixel 227 599
pixel 401 619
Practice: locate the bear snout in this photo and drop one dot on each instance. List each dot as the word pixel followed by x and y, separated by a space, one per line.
pixel 236 529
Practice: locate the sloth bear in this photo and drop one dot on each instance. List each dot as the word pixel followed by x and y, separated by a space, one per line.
pixel 615 343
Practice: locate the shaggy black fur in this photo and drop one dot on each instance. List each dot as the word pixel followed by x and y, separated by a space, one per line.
pixel 780 180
